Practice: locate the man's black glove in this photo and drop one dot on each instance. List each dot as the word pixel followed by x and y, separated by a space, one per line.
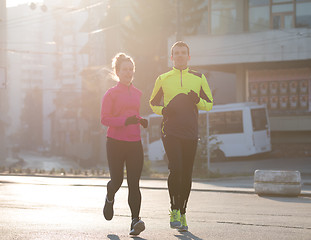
pixel 143 122
pixel 194 97
pixel 131 120
pixel 164 111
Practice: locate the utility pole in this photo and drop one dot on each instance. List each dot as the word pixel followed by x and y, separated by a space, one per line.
pixel 3 82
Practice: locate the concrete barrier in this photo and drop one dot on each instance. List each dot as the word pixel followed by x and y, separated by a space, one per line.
pixel 272 182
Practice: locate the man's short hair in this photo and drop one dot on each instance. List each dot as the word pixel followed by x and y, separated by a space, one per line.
pixel 180 44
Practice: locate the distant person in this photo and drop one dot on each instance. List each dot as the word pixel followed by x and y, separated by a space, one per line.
pixel 184 91
pixel 120 112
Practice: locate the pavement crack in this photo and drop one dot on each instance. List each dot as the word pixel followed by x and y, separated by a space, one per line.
pixel 264 225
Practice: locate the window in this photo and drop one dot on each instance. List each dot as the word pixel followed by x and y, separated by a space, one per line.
pixel 155 129
pixel 259 15
pixel 282 14
pixel 226 122
pixel 259 119
pixel 278 14
pixel 303 14
pixel 203 28
pixel 281 21
pixel 226 16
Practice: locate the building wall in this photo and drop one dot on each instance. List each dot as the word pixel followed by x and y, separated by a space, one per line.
pixel 43 55
pixel 262 38
pixel 259 47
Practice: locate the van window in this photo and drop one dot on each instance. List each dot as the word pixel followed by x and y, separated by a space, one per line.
pixel 226 122
pixel 155 129
pixel 259 119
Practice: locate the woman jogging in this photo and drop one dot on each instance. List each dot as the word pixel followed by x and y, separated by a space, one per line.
pixel 120 112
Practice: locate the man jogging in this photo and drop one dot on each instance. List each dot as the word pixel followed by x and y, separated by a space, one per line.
pixel 184 92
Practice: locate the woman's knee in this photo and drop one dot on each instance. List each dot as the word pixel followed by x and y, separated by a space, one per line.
pixel 115 184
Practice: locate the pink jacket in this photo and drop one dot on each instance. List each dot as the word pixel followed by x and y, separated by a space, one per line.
pixel 119 103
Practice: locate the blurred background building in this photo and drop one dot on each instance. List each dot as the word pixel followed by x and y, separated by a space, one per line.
pixel 267 45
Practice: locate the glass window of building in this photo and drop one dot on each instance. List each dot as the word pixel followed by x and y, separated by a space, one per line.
pixel 227 16
pixel 303 14
pixel 282 14
pixel 281 1
pixel 203 28
pixel 259 15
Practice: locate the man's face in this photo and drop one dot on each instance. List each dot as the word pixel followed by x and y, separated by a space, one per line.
pixel 180 57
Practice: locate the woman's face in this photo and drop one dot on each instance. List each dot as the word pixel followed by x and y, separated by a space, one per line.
pixel 126 72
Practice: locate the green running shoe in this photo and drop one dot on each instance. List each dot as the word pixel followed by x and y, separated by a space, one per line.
pixel 175 218
pixel 183 221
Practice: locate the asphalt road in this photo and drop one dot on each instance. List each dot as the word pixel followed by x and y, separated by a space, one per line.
pixel 71 208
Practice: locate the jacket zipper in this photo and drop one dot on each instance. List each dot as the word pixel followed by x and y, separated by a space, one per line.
pixel 181 78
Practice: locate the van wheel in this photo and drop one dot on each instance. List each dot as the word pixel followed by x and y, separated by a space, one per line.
pixel 219 156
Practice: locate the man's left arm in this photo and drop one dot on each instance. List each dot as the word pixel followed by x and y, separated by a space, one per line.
pixel 206 98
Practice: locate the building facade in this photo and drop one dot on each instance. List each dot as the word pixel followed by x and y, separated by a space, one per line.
pixel 267 45
pixel 43 70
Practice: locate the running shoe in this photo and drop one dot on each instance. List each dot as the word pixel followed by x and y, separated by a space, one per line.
pixel 183 221
pixel 108 209
pixel 137 226
pixel 175 218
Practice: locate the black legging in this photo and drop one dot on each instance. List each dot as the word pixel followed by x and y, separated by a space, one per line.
pixel 180 154
pixel 130 153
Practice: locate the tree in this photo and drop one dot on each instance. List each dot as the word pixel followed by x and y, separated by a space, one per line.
pixel 190 15
pixel 146 34
pixel 31 119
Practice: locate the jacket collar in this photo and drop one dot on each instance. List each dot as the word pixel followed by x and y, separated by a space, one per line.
pixel 183 71
pixel 123 86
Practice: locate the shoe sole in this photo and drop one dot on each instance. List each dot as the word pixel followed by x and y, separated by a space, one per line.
pixel 176 227
pixel 138 228
pixel 182 230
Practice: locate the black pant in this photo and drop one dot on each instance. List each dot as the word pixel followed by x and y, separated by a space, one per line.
pixel 130 153
pixel 181 154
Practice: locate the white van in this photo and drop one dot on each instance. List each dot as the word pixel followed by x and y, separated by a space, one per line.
pixel 237 129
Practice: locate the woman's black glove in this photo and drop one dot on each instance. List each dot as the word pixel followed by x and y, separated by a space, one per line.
pixel 143 122
pixel 194 97
pixel 131 120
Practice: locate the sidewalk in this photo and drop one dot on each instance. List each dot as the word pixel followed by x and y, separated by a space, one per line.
pixel 242 185
pixel 237 184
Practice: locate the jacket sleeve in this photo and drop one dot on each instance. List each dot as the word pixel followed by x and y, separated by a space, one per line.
pixel 156 97
pixel 206 98
pixel 106 113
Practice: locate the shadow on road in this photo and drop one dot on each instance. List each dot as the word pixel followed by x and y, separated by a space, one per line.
pixel 116 237
pixel 113 237
pixel 138 238
pixel 187 236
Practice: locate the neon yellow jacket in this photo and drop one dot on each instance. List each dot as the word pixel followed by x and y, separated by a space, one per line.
pixel 175 83
pixel 169 84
